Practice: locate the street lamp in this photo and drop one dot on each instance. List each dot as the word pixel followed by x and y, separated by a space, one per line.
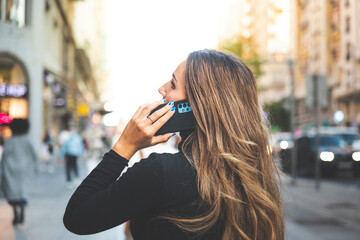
pixel 292 121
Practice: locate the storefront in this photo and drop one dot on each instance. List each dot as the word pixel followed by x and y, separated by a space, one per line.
pixel 14 92
pixel 14 88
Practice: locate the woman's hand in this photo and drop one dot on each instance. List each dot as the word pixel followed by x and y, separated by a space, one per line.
pixel 140 130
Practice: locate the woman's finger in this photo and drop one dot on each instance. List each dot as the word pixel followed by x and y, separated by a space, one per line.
pixel 148 108
pixel 163 119
pixel 158 113
pixel 161 138
pixel 139 111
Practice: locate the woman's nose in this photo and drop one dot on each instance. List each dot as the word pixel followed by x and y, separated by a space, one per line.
pixel 162 91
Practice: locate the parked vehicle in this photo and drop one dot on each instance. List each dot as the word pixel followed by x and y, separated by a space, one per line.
pixel 355 147
pixel 280 140
pixel 349 134
pixel 333 154
pixel 351 137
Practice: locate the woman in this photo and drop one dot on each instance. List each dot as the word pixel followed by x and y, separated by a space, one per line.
pixel 19 162
pixel 223 184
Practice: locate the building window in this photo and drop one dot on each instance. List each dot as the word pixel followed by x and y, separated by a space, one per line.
pixel 303 3
pixel 47 6
pixel 334 3
pixel 347 3
pixel 347 24
pixel 334 53
pixel 13 11
pixel 348 50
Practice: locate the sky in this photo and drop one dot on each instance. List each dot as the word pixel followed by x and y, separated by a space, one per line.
pixel 146 40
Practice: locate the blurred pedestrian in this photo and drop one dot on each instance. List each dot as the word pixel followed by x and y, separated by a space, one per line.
pixel 71 149
pixel 222 184
pixel 47 152
pixel 1 146
pixel 19 162
pixel 64 134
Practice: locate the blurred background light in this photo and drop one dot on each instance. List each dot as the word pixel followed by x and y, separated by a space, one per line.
pixel 327 156
pixel 111 119
pixel 110 106
pixel 338 116
pixel 284 144
pixel 356 156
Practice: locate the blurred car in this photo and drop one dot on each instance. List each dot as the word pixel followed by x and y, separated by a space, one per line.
pixel 349 138
pixel 355 147
pixel 348 134
pixel 280 141
pixel 332 153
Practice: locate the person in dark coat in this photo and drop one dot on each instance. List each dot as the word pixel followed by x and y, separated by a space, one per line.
pixel 19 162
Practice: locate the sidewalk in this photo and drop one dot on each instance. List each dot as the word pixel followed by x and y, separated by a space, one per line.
pixel 6 217
pixel 332 212
pixel 43 215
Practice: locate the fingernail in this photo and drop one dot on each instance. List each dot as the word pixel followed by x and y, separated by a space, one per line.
pixel 173 134
pixel 163 100
pixel 171 103
pixel 173 109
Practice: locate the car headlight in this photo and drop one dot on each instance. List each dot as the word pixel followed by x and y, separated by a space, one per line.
pixel 284 145
pixel 356 156
pixel 327 156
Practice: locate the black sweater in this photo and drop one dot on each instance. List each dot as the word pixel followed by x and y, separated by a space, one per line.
pixel 161 185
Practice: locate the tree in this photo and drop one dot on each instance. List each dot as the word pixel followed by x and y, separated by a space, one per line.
pixel 245 49
pixel 278 116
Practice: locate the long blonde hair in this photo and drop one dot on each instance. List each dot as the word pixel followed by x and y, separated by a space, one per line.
pixel 237 176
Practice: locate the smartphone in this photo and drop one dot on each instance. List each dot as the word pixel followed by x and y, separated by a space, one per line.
pixel 183 118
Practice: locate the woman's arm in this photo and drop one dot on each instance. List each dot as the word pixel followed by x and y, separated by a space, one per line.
pixel 102 202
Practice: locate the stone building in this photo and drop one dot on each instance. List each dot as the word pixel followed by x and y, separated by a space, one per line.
pixel 44 73
pixel 326 43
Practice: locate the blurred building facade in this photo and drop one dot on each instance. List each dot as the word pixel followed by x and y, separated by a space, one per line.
pixel 322 39
pixel 326 44
pixel 265 23
pixel 45 74
pixel 270 31
pixel 346 94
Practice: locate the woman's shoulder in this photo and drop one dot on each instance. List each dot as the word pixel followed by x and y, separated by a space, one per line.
pixel 176 167
pixel 172 161
pixel 173 167
pixel 163 161
pixel 179 178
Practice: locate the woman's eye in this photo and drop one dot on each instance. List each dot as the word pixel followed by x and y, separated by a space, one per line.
pixel 172 85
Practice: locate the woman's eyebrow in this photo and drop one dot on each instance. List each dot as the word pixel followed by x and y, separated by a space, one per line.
pixel 173 75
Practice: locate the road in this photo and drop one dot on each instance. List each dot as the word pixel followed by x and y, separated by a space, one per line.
pixel 331 213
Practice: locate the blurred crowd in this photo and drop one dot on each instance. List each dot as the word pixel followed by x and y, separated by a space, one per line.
pixel 20 160
pixel 68 151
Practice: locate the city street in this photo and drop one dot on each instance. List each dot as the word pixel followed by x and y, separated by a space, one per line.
pixel 331 213
pixel 240 80
pixel 43 216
